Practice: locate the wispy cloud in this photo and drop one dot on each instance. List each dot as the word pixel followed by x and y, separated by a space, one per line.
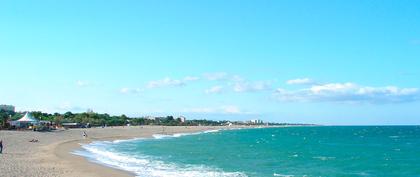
pixel 67 106
pixel 231 110
pixel 228 109
pixel 166 82
pixel 234 82
pixel 222 76
pixel 216 76
pixel 244 86
pixel 214 89
pixel 126 90
pixel 300 81
pixel 349 92
pixel 200 110
pixel 191 78
pixel 81 83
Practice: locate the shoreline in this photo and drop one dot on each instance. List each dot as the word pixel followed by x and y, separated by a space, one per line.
pixel 52 155
pixel 65 151
pixel 87 168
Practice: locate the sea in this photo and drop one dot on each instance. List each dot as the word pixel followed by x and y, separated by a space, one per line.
pixel 316 151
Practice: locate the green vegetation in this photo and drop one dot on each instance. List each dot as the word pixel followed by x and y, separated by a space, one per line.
pixel 4 117
pixel 96 119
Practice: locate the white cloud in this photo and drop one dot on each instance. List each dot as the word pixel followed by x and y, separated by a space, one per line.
pixel 67 106
pixel 230 109
pixel 215 89
pixel 80 83
pixel 131 90
pixel 237 78
pixel 222 76
pixel 166 82
pixel 191 78
pixel 251 86
pixel 350 92
pixel 334 87
pixel 200 110
pixel 300 81
pixel 235 82
pixel 216 76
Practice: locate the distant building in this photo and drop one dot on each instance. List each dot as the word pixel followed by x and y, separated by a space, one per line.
pixel 7 108
pixel 89 111
pixel 256 121
pixel 182 119
pixel 228 124
pixel 71 125
pixel 150 118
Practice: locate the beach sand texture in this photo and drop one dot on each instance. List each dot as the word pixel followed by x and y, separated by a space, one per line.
pixel 51 155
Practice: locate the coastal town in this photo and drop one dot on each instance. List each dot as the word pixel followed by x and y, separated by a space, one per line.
pixel 38 121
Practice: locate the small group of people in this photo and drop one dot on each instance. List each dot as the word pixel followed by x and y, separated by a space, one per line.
pixel 84 134
pixel 34 141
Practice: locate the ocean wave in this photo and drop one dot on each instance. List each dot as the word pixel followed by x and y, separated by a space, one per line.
pixel 211 131
pixel 276 174
pixel 146 166
pixel 323 158
pixel 177 135
pixel 127 140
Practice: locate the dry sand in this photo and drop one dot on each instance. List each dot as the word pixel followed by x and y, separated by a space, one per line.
pixel 51 156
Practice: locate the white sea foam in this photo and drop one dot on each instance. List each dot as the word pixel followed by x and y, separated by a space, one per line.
pixel 146 166
pixel 211 131
pixel 127 140
pixel 177 135
pixel 160 136
pixel 276 174
pixel 323 158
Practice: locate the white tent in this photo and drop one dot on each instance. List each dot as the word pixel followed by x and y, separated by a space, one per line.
pixel 28 118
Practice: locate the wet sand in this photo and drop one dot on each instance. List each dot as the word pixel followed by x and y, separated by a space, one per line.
pixel 51 155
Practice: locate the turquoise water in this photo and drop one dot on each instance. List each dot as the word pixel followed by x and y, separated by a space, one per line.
pixel 293 151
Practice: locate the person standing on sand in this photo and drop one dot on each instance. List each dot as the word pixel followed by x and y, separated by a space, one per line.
pixel 1 146
pixel 84 134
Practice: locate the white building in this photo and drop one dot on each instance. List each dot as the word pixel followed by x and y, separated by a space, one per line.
pixel 182 118
pixel 150 117
pixel 228 124
pixel 256 121
pixel 89 111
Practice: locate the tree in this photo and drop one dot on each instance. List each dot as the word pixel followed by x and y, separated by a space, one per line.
pixel 4 118
pixel 58 120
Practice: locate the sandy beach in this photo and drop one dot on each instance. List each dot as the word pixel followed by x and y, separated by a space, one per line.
pixel 51 155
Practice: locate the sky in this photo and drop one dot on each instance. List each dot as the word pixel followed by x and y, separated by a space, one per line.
pixel 323 62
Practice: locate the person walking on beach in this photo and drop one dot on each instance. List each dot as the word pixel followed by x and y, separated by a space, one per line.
pixel 84 134
pixel 1 146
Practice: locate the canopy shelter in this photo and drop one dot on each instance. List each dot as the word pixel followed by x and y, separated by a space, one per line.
pixel 27 120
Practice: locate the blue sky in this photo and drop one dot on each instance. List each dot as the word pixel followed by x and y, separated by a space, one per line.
pixel 326 62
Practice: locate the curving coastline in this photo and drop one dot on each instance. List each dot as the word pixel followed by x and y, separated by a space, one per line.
pixel 52 156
